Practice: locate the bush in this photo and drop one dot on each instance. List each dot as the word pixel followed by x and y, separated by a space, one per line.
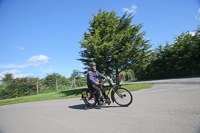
pixel 18 87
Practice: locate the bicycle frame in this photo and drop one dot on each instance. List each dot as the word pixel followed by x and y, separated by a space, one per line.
pixel 110 87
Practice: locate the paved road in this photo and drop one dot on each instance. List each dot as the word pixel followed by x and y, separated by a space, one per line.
pixel 170 106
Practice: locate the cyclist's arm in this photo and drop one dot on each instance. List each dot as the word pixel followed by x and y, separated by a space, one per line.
pixel 101 76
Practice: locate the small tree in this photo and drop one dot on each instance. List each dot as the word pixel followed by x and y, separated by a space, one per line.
pixel 7 77
pixel 50 80
pixel 76 74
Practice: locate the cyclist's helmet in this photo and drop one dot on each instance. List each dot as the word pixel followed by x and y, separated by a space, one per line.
pixel 92 64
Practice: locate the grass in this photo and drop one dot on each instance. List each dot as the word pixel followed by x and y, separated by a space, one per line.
pixel 63 94
pixel 135 87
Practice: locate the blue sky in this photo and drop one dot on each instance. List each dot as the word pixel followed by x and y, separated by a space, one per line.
pixel 39 37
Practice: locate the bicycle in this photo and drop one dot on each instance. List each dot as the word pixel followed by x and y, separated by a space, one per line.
pixel 119 95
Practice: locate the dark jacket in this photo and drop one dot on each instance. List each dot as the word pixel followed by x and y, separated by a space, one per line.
pixel 93 77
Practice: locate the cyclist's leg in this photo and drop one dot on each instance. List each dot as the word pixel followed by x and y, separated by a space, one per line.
pixel 94 89
pixel 98 91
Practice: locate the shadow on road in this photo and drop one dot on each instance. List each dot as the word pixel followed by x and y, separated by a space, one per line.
pixel 75 92
pixel 80 106
pixel 84 107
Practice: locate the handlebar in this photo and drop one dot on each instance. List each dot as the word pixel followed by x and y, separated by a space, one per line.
pixel 108 80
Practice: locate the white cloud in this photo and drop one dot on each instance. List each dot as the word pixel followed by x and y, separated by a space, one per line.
pixel 147 38
pixel 14 71
pixel 130 10
pixel 32 61
pixel 13 66
pixel 192 33
pixel 37 60
pixel 198 15
pixel 20 48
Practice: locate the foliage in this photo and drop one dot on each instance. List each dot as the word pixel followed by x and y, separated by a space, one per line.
pixel 28 85
pixel 7 77
pixel 19 87
pixel 129 75
pixel 81 82
pixel 76 74
pixel 113 43
pixel 50 81
pixel 180 59
pixel 64 81
pixel 2 86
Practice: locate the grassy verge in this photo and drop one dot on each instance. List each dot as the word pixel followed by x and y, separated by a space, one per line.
pixel 63 94
pixel 135 87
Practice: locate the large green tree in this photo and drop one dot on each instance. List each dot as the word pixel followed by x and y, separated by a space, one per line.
pixel 114 43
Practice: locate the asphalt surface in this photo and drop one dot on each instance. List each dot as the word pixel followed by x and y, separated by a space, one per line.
pixel 170 106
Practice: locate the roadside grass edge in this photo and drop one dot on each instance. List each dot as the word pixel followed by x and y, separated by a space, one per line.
pixel 73 93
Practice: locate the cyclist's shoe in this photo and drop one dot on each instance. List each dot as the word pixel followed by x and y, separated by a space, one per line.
pixel 108 101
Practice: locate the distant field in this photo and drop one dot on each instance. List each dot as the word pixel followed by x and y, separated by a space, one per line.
pixel 63 94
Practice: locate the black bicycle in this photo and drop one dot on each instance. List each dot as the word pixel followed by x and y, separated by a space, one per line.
pixel 119 95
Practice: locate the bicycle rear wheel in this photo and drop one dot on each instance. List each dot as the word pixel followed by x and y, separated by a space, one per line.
pixel 123 97
pixel 90 99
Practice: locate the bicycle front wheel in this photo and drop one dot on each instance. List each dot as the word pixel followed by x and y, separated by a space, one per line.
pixel 123 97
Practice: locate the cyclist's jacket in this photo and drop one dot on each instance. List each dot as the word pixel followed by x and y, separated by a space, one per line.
pixel 93 77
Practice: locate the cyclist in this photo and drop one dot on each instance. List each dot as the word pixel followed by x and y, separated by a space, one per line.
pixel 93 81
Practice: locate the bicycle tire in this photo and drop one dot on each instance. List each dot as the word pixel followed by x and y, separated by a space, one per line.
pixel 122 95
pixel 90 100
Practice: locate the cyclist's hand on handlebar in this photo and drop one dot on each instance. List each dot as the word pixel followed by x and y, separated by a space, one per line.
pixel 101 84
pixel 98 84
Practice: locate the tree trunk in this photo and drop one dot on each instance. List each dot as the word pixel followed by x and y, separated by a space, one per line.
pixel 117 76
